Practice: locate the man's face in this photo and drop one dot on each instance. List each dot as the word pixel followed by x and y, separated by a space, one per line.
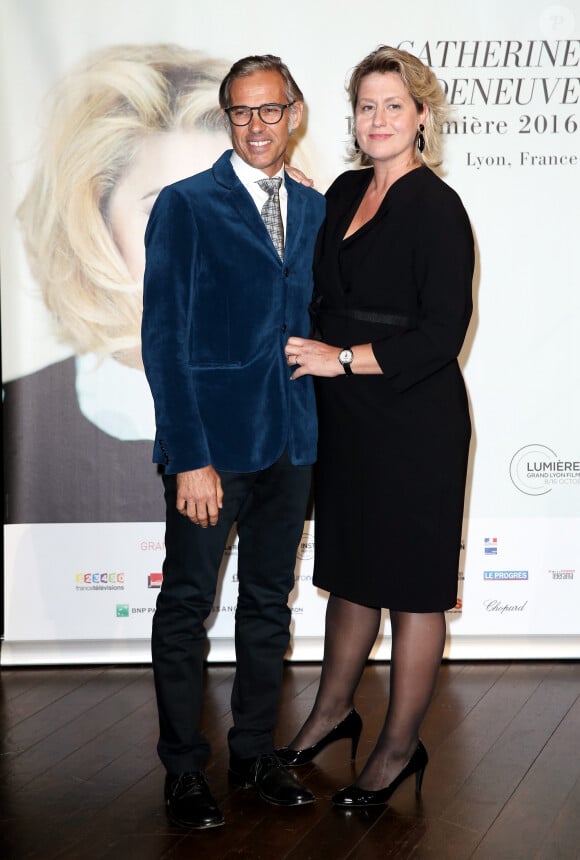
pixel 259 144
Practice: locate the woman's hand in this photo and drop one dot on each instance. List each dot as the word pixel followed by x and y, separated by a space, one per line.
pixel 298 176
pixel 313 357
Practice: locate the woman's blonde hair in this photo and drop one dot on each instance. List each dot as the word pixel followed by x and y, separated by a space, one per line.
pixel 423 87
pixel 101 112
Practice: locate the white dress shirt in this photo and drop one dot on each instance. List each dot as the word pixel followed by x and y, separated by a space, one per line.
pixel 249 177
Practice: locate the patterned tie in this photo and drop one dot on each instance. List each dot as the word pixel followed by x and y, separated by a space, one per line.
pixel 271 212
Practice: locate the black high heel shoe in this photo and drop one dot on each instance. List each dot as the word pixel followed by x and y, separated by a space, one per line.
pixel 352 795
pixel 350 727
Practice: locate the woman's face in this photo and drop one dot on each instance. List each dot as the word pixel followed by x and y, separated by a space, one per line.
pixel 162 158
pixel 386 119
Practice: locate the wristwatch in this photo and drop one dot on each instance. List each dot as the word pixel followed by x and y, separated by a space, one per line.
pixel 345 357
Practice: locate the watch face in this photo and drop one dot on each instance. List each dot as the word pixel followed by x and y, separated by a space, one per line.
pixel 345 357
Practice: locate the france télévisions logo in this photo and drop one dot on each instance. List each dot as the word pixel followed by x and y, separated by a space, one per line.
pixel 102 581
pixel 490 546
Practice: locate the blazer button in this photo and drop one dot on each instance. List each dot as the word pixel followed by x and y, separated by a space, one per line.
pixel 284 329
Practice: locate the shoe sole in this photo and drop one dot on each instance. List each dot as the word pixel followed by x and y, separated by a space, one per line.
pixel 239 780
pixel 375 805
pixel 287 805
pixel 190 826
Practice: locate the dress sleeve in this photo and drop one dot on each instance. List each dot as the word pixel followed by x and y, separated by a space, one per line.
pixel 443 262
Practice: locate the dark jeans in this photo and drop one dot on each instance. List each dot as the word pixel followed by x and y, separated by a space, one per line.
pixel 269 507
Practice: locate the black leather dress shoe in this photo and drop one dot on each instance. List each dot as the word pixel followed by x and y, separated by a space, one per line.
pixel 189 801
pixel 274 783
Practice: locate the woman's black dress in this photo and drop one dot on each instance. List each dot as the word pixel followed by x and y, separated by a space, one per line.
pixel 393 448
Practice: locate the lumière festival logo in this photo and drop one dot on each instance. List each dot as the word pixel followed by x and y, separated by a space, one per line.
pixel 306 547
pixel 536 469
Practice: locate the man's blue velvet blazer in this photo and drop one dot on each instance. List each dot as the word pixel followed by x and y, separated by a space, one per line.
pixel 219 305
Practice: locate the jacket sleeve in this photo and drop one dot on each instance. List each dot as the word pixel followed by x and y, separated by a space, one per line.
pixel 443 256
pixel 171 243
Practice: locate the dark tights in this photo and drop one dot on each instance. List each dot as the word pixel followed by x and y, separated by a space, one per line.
pixel 417 646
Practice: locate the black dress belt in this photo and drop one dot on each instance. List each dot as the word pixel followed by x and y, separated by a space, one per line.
pixel 369 316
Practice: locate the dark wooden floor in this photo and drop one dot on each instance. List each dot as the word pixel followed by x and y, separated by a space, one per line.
pixel 79 777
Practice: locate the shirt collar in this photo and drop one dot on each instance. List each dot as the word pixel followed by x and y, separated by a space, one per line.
pixel 248 174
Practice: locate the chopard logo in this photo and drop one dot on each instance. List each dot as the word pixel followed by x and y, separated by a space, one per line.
pixel 498 606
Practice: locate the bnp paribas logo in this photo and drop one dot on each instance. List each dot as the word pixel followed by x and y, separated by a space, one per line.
pixel 122 610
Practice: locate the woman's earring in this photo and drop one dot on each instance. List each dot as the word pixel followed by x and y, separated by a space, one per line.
pixel 355 144
pixel 421 138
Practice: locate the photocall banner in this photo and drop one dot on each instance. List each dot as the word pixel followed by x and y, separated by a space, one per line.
pixel 83 504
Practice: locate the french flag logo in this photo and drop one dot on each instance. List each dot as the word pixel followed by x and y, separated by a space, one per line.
pixel 490 546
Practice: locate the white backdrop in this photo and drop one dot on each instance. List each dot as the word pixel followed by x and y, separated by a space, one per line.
pixel 82 592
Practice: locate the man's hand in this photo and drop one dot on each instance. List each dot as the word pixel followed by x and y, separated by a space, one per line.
pixel 200 495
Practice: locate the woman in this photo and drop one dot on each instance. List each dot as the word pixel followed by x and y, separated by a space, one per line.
pixel 128 120
pixel 393 270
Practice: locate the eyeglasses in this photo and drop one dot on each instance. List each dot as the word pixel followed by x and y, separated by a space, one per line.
pixel 269 113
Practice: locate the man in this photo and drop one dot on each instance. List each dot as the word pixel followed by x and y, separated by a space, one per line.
pixel 235 435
